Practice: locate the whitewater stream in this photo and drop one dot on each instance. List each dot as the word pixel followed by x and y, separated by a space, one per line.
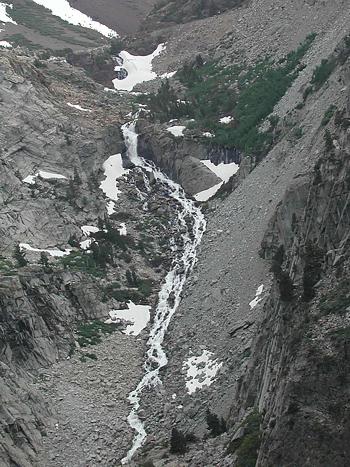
pixel 191 226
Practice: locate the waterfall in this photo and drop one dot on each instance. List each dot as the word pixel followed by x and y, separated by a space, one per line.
pixel 170 293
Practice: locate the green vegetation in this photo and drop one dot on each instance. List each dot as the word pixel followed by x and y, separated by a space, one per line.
pixel 216 425
pixel 5 265
pixel 328 115
pixel 92 333
pixel 323 72
pixel 83 357
pixel 40 19
pixel 247 447
pixel 20 256
pixel 328 140
pixel 336 301
pixel 342 334
pixel 80 261
pixel 178 442
pixel 248 95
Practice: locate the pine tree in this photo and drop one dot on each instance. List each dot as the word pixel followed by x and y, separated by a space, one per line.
pixel 20 256
pixel 44 260
pixel 216 426
pixel 178 443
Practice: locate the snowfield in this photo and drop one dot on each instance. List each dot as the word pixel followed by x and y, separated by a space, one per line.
pixel 138 67
pixel 63 9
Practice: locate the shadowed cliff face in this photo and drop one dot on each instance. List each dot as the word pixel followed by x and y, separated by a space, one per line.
pixel 298 375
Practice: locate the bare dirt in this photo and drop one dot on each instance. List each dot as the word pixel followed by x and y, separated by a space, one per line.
pixel 124 16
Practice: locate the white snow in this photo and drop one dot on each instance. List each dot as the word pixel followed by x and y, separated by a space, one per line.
pixel 138 67
pixel 4 16
pixel 223 171
pixel 170 74
pixel 226 120
pixel 170 294
pixel 122 229
pixel 200 371
pixel 57 253
pixel 206 194
pixel 89 229
pixel 177 130
pixel 43 174
pixel 5 44
pixel 114 169
pixel 138 315
pixel 258 297
pixel 207 134
pixel 63 9
pixel 78 107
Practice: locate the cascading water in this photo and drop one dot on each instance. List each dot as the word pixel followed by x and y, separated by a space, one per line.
pixel 170 293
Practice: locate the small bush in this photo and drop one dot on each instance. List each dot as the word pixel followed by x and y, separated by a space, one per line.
pixel 178 443
pixel 328 115
pixel 328 139
pixel 216 425
pixel 323 72
pixel 247 447
pixel 91 333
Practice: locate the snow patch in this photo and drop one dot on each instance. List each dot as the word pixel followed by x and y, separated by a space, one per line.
pixel 206 194
pixel 223 171
pixel 169 74
pixel 89 229
pixel 5 44
pixel 63 9
pixel 137 315
pixel 56 253
pixel 226 120
pixel 43 174
pixel 177 130
pixel 200 371
pixel 207 134
pixel 122 230
pixel 4 16
pixel 114 169
pixel 138 67
pixel 258 297
pixel 78 107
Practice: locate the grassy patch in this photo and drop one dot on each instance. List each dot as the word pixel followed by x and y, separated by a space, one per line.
pixel 92 333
